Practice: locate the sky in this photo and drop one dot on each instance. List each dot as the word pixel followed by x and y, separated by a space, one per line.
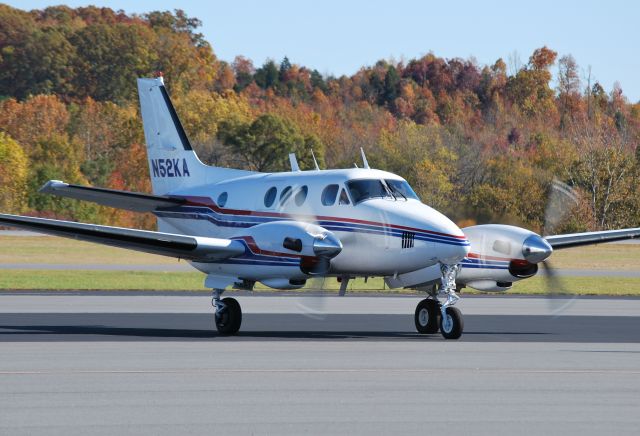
pixel 340 36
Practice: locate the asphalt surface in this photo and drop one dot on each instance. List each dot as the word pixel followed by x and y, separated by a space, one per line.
pixel 146 363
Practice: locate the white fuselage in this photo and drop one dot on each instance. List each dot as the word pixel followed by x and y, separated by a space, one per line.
pixel 380 236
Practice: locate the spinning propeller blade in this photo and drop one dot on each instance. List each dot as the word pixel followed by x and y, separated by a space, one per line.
pixel 562 199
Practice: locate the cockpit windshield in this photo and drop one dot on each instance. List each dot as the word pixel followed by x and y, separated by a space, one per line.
pixel 366 189
pixel 401 188
pixel 361 190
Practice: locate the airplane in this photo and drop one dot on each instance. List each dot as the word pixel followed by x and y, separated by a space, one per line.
pixel 281 229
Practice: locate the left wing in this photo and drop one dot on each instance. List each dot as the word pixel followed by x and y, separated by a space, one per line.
pixel 577 239
pixel 135 201
pixel 196 248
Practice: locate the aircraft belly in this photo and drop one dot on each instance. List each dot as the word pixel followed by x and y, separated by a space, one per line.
pixel 251 271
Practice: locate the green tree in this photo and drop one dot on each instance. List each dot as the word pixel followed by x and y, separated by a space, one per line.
pixel 264 144
pixel 267 75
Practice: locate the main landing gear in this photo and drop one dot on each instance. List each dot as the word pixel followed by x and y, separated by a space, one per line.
pixel 432 315
pixel 228 314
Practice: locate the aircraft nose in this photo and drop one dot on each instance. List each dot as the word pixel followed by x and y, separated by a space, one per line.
pixel 452 244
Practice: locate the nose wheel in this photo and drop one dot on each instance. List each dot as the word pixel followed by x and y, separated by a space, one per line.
pixel 228 314
pixel 427 316
pixel 432 315
pixel 451 324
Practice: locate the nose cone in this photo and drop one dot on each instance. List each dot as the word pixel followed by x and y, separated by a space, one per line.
pixel 535 249
pixel 327 245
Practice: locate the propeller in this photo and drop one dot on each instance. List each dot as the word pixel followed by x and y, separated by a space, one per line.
pixel 562 199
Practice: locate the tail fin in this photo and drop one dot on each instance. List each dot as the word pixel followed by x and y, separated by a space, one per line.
pixel 173 165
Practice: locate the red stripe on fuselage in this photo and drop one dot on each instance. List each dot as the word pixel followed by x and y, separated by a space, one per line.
pixel 253 246
pixel 207 202
pixel 480 256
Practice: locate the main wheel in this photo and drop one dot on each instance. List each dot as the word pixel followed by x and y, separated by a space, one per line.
pixel 229 318
pixel 451 325
pixel 427 316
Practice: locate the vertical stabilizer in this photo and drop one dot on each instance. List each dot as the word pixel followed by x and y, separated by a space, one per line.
pixel 173 165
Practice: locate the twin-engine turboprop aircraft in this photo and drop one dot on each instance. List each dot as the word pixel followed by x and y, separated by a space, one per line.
pixel 281 229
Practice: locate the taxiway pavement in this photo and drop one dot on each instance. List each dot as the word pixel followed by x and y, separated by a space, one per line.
pixel 149 363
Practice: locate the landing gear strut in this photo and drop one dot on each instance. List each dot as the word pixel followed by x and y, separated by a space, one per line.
pixel 228 314
pixel 451 324
pixel 432 315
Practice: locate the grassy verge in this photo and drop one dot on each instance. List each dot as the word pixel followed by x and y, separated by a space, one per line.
pixel 193 281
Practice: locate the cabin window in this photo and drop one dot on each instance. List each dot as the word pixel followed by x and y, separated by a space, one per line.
pixel 400 188
pixel 222 199
pixel 270 196
pixel 344 198
pixel 329 195
pixel 301 195
pixel 285 195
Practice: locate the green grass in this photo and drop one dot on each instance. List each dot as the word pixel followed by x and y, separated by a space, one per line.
pixel 581 286
pixel 107 280
pixel 44 249
pixel 49 249
pixel 193 281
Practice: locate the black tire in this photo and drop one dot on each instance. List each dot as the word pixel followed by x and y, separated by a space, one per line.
pixel 427 316
pixel 452 330
pixel 228 319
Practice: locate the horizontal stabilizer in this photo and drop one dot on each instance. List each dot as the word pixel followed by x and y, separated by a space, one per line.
pixel 590 238
pixel 197 248
pixel 135 201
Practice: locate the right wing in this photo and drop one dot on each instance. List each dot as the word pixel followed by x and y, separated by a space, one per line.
pixel 135 201
pixel 578 239
pixel 195 248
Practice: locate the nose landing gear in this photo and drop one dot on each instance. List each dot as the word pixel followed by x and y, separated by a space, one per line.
pixel 430 314
pixel 228 314
pixel 427 316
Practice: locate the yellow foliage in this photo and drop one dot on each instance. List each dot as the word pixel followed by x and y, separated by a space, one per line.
pixel 13 175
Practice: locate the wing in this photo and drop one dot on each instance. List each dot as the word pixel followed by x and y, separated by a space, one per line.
pixel 589 238
pixel 196 248
pixel 135 201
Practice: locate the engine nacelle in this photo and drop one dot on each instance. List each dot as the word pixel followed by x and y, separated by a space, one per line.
pixel 489 285
pixel 294 237
pixel 283 283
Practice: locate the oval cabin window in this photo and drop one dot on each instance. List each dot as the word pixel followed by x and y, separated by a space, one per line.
pixel 270 196
pixel 222 199
pixel 285 195
pixel 301 195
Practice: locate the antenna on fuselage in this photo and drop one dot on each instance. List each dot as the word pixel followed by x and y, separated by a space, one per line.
pixel 294 162
pixel 315 162
pixel 364 159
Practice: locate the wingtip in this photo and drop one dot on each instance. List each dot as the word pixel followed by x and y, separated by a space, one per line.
pixel 52 185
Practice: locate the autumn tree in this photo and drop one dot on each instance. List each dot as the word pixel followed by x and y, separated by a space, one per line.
pixel 568 89
pixel 13 175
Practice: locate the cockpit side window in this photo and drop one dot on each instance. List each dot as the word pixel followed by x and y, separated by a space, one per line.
pixel 344 198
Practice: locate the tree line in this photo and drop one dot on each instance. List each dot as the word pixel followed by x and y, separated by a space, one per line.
pixel 482 143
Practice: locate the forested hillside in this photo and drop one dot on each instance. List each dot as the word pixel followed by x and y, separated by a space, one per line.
pixel 479 142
